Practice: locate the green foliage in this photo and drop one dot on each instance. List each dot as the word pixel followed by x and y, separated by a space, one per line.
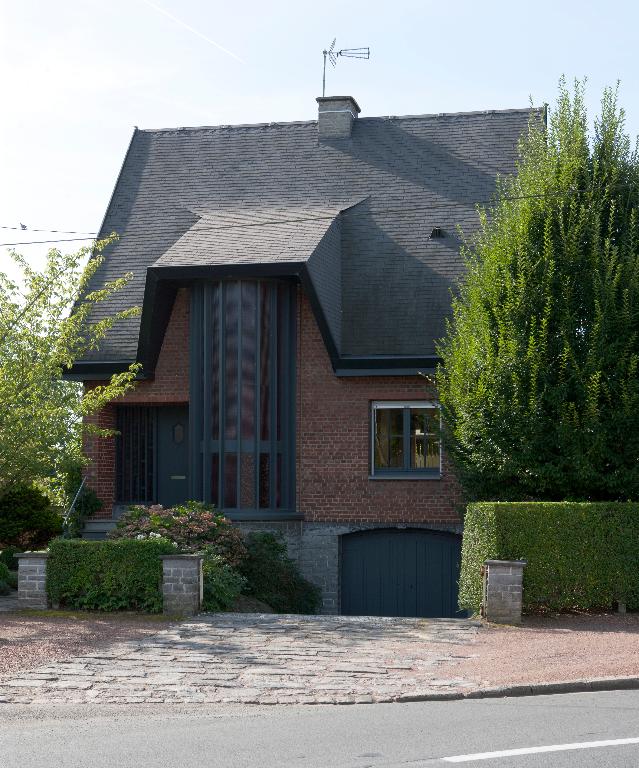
pixel 5 589
pixel 107 575
pixel 579 555
pixel 27 519
pixel 222 583
pixel 273 577
pixel 10 578
pixel 40 412
pixel 191 526
pixel 86 504
pixel 539 383
pixel 7 556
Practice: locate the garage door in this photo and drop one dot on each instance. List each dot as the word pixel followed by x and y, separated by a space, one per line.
pixel 391 572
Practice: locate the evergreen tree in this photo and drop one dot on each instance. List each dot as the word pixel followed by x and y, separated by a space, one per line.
pixel 540 383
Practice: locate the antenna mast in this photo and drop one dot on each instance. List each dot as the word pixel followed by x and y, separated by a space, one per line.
pixel 332 55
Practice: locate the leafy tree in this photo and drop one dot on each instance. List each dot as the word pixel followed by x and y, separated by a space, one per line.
pixel 40 412
pixel 540 382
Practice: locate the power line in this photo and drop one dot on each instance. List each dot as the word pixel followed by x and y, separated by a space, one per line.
pixel 39 242
pixel 53 231
pixel 346 212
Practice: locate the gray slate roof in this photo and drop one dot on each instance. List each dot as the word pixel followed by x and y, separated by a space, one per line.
pixel 271 193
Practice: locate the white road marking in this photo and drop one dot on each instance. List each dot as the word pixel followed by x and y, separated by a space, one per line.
pixel 537 750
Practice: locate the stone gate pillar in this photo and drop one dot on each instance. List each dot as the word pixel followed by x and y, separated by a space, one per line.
pixel 182 584
pixel 503 591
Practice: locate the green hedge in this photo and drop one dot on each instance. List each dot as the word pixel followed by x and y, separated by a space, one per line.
pixel 580 555
pixel 107 575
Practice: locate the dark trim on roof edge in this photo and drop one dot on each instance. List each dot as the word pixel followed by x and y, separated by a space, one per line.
pixel 383 366
pixel 159 295
pixel 97 369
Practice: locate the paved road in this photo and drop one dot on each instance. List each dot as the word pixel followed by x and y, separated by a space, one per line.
pixel 357 736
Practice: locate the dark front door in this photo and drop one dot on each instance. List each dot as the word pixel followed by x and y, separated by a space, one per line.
pixel 173 455
pixel 391 572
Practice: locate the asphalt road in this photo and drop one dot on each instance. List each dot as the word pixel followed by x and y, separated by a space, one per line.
pixel 361 736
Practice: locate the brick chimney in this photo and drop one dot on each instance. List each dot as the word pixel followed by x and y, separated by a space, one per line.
pixel 336 116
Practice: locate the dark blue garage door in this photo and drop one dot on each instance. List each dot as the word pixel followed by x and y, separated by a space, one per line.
pixel 391 572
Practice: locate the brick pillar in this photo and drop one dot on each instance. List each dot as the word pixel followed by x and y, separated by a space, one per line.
pixel 32 579
pixel 503 587
pixel 182 584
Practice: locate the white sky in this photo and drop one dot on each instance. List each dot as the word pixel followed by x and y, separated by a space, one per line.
pixel 77 75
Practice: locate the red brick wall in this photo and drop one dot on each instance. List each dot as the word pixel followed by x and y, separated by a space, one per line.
pixel 171 381
pixel 333 445
pixel 170 385
pixel 333 441
pixel 100 473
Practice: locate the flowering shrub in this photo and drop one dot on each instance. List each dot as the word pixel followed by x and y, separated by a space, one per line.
pixel 190 526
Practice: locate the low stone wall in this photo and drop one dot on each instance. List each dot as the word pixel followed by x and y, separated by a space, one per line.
pixel 182 582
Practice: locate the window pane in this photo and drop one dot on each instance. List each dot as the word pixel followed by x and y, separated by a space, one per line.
pixel 215 479
pixel 265 359
pixel 230 480
pixel 389 440
pixel 247 481
pixel 265 501
pixel 215 362
pixel 424 438
pixel 231 381
pixel 248 355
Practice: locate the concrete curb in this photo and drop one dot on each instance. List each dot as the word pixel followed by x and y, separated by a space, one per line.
pixel 531 689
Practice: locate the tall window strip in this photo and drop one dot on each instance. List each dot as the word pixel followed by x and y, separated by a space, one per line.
pixel 136 448
pixel 242 396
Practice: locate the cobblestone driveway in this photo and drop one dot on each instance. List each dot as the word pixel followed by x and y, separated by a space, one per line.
pixel 263 659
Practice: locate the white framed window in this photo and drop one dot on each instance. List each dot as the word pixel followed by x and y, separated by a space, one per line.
pixel 405 440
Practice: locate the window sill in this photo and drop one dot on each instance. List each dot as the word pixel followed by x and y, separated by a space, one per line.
pixel 406 476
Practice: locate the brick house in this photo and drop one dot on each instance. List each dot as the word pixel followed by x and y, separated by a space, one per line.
pixel 293 280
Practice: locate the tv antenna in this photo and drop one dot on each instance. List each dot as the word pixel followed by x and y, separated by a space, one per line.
pixel 348 53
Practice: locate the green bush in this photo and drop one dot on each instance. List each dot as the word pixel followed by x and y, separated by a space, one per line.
pixel 107 575
pixel 580 555
pixel 8 580
pixel 222 584
pixel 27 519
pixel 273 577
pixel 191 526
pixel 7 556
pixel 86 504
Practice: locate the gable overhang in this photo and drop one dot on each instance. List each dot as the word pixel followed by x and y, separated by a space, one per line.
pixel 161 287
pixel 162 284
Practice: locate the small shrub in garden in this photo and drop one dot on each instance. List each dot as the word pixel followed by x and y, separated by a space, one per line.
pixel 8 557
pixel 8 580
pixel 273 577
pixel 195 527
pixel 222 584
pixel 27 519
pixel 86 504
pixel 107 575
pixel 191 526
